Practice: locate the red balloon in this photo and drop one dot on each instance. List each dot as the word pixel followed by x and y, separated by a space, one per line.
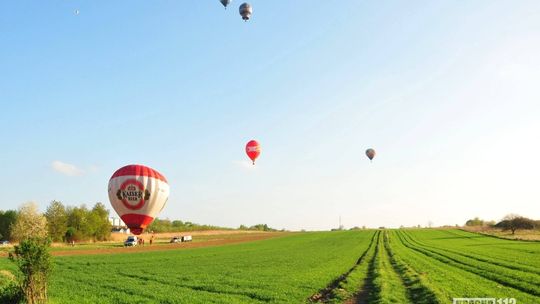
pixel 253 150
pixel 138 194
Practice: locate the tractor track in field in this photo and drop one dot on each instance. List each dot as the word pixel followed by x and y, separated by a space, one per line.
pixel 372 290
pixel 200 287
pixel 366 292
pixel 417 291
pixel 326 294
pixel 409 243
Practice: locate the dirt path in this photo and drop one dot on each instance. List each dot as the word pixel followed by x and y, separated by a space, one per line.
pixel 362 296
pixel 249 237
pixel 326 294
pixel 120 237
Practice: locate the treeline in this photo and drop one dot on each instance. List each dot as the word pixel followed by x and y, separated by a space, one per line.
pixel 511 222
pixel 63 223
pixel 166 225
pixel 258 227
pixel 7 219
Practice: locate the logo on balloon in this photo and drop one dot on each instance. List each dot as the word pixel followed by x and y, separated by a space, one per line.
pixel 132 194
pixel 253 149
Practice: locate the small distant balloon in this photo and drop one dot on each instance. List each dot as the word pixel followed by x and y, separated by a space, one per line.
pixel 225 3
pixel 76 12
pixel 370 153
pixel 245 11
pixel 253 150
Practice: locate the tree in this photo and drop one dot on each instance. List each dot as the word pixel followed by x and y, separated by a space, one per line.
pixel 84 224
pixel 78 221
pixel 261 227
pixel 57 219
pixel 71 235
pixel 29 224
pixel 475 222
pixel 514 222
pixel 98 222
pixel 177 224
pixel 7 219
pixel 35 264
pixel 159 225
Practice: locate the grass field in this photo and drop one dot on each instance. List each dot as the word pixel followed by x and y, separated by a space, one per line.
pixel 284 269
pixel 435 266
pixel 384 266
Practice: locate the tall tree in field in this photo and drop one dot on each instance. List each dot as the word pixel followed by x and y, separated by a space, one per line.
pixel 57 218
pixel 514 222
pixel 34 261
pixel 32 254
pixel 29 224
pixel 7 219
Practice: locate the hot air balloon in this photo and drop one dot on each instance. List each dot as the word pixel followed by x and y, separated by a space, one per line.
pixel 225 3
pixel 370 153
pixel 138 193
pixel 245 11
pixel 253 150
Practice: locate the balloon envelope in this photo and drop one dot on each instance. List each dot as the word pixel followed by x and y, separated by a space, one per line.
pixel 225 2
pixel 245 11
pixel 253 150
pixel 138 193
pixel 370 153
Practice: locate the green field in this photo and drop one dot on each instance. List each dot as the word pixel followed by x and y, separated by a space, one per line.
pixel 385 266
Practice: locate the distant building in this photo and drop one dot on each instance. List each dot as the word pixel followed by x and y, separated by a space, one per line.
pixel 117 222
pixel 118 225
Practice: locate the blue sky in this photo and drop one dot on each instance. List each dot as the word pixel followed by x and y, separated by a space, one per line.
pixel 446 92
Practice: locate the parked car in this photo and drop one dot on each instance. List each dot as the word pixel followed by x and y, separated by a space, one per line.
pixel 131 241
pixel 4 243
pixel 180 239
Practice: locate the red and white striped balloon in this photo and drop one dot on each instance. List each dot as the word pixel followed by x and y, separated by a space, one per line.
pixel 138 194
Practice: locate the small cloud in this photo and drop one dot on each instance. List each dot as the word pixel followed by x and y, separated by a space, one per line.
pixel 93 168
pixel 66 169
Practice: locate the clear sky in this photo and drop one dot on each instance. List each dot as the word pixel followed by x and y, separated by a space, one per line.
pixel 447 92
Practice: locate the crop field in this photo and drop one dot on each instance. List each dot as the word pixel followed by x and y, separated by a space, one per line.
pixel 370 266
pixel 435 266
pixel 285 269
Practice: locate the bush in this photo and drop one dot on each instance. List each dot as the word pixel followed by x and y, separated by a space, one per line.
pixel 34 261
pixel 475 222
pixel 11 293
